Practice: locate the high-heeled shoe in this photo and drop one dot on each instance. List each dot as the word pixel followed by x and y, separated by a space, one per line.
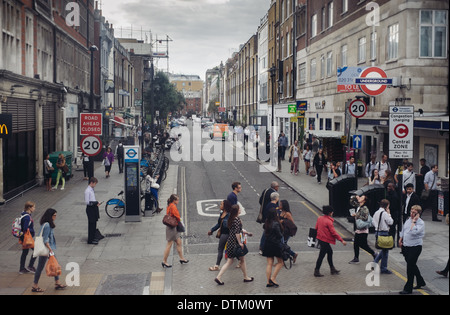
pixel 184 261
pixel 165 265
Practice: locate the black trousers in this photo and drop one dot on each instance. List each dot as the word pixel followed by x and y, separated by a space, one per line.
pixel 411 255
pixel 325 249
pixel 92 215
pixel 431 204
pixel 361 242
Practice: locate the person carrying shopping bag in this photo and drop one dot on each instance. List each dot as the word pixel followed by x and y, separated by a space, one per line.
pixel 235 247
pixel 27 223
pixel 47 232
pixel 382 221
pixel 63 169
pixel 172 234
pixel 327 236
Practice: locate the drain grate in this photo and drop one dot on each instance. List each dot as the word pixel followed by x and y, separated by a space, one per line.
pixel 113 235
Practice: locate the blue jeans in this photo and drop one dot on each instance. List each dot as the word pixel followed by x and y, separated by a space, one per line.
pixel 383 255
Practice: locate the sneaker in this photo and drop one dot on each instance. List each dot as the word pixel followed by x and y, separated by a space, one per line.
pixel 62 188
pixel 31 269
pixel 23 271
pixel 354 261
pixel 386 272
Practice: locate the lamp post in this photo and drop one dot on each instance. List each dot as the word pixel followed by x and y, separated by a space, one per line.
pixel 92 49
pixel 273 72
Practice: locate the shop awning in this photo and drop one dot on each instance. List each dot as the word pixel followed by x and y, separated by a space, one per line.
pixel 326 134
pixel 119 121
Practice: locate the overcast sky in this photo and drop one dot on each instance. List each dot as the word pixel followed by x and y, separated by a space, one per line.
pixel 204 32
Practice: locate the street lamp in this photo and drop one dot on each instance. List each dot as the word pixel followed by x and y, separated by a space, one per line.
pixel 92 49
pixel 273 73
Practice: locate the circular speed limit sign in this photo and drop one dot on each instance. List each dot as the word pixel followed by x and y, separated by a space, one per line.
pixel 91 145
pixel 358 108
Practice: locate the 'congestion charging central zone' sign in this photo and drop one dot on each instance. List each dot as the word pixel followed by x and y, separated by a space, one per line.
pixel 401 132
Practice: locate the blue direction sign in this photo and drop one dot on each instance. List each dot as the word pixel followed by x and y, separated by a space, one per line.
pixel 357 142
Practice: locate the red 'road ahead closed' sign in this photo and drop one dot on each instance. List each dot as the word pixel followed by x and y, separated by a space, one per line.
pixel 91 124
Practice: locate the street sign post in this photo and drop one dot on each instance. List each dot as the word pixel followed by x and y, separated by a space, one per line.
pixel 91 145
pixel 357 142
pixel 91 124
pixel 358 108
pixel 373 81
pixel 401 132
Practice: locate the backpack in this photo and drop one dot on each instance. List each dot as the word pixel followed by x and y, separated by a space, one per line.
pixel 17 226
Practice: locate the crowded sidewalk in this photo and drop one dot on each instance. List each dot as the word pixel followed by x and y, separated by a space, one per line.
pixel 436 242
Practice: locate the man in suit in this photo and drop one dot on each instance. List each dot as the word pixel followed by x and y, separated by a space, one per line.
pixel 409 199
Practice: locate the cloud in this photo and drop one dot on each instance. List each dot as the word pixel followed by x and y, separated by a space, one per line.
pixel 203 31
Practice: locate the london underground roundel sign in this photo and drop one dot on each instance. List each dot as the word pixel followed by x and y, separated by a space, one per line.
pixel 373 81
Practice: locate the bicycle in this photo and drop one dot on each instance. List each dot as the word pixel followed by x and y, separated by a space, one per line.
pixel 151 193
pixel 115 207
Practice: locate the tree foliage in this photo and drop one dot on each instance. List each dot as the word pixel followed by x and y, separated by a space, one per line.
pixel 166 99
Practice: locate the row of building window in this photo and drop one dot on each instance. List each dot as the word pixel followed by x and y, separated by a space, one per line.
pixel 433 43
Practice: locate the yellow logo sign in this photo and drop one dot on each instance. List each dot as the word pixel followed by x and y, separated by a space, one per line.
pixel 3 129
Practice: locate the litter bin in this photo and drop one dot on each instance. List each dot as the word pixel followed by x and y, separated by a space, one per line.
pixel 54 159
pixel 339 193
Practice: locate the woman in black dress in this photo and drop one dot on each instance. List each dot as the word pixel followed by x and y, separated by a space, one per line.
pixel 272 246
pixel 235 247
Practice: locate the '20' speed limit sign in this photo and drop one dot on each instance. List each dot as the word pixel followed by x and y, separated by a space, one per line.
pixel 91 145
pixel 358 108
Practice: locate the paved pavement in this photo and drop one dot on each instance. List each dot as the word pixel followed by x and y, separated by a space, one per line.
pixel 132 252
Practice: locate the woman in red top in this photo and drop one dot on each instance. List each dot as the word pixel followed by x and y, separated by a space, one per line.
pixel 172 235
pixel 327 235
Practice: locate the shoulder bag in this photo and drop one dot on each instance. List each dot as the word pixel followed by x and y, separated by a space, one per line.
pixel 259 219
pixel 169 220
pixel 39 247
pixel 383 242
pixel 426 193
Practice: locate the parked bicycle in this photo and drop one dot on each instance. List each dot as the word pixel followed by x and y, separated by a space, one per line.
pixel 115 207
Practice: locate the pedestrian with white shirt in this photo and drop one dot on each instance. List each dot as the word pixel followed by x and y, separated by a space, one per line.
pixel 382 221
pixel 294 154
pixel 383 165
pixel 411 241
pixel 430 197
pixel 350 167
pixel 409 177
pixel 92 211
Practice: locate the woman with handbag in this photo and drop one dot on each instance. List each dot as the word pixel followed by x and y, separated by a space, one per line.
pixel 382 221
pixel 27 225
pixel 272 247
pixel 172 233
pixel 294 155
pixel 47 227
pixel 108 159
pixel 362 215
pixel 62 167
pixel 289 227
pixel 235 247
pixel 222 232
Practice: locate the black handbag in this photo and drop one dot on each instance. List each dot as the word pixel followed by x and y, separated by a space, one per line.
pixel 180 227
pixel 240 252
